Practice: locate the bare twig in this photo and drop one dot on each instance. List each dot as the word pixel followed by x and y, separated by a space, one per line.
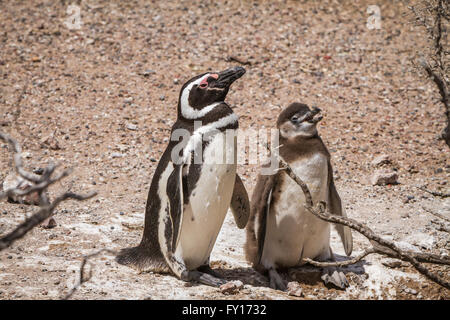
pixel 433 15
pixel 17 150
pixel 342 263
pixel 41 184
pixel 441 226
pixel 439 81
pixel 19 102
pixel 83 276
pixel 435 193
pixel 37 218
pixel 436 214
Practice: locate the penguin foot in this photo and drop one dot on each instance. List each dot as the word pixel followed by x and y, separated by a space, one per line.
pixel 276 282
pixel 207 269
pixel 203 278
pixel 334 277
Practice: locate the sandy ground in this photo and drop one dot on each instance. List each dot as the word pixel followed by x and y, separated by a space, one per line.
pixel 106 96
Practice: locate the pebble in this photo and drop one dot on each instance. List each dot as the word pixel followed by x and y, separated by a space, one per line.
pixel 410 291
pixel 392 263
pixel 147 73
pixel 294 289
pixel 231 287
pixel 131 126
pixel 128 100
pixel 12 181
pixel 408 199
pixel 116 155
pixel 384 177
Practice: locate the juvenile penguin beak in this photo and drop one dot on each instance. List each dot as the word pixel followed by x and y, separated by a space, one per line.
pixel 227 77
pixel 313 116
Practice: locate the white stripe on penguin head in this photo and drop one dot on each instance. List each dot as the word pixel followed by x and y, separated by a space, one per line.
pixel 186 110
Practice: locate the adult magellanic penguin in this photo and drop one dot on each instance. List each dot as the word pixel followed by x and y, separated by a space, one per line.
pixel 194 184
pixel 281 232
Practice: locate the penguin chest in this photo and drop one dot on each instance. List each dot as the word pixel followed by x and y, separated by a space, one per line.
pixel 208 202
pixel 292 232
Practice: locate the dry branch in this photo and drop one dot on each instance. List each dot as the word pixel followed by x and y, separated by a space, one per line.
pixel 380 245
pixel 434 17
pixel 342 263
pixel 41 183
pixel 435 193
pixel 83 276
pixel 436 214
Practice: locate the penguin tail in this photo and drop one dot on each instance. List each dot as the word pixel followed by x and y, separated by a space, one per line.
pixel 141 259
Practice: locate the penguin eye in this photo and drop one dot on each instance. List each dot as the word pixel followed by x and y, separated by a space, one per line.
pixel 203 85
pixel 294 119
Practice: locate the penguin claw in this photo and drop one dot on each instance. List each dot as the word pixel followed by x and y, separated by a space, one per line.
pixel 207 269
pixel 335 277
pixel 205 278
pixel 275 281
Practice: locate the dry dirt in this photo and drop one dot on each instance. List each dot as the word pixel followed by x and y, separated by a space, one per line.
pixel 106 96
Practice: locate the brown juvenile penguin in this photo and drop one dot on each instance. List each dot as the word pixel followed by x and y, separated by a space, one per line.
pixel 280 231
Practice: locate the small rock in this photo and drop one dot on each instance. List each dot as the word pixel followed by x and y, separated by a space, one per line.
pixel 392 263
pixel 384 177
pixel 13 181
pixel 176 81
pixel 162 98
pixel 421 240
pixel 116 155
pixel 294 289
pixel 147 73
pixel 408 199
pixel 231 287
pixel 49 223
pixel 131 126
pixel 380 160
pixel 51 142
pixel 128 100
pixel 438 170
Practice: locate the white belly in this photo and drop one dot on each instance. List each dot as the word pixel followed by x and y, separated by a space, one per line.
pixel 292 232
pixel 208 204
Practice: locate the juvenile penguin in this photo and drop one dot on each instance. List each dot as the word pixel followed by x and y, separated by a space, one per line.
pixel 281 231
pixel 192 188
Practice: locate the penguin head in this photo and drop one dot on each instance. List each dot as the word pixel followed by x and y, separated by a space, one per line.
pixel 298 120
pixel 206 89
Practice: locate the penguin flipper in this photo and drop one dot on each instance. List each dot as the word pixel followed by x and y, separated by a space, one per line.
pixel 175 185
pixel 259 209
pixel 240 205
pixel 336 208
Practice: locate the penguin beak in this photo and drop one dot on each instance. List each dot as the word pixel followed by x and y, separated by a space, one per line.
pixel 313 116
pixel 227 77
